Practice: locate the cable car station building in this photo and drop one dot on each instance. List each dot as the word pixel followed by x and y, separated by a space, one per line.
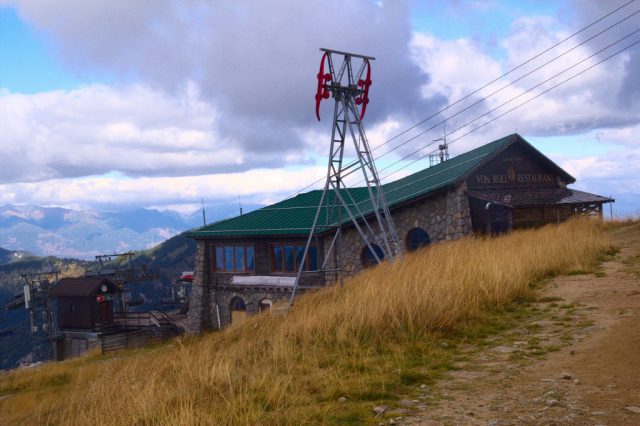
pixel 246 264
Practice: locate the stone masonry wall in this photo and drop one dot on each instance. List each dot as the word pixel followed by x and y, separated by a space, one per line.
pixel 251 298
pixel 199 311
pixel 444 217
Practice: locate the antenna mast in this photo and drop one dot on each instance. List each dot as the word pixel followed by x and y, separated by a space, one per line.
pixel 350 90
pixel 443 155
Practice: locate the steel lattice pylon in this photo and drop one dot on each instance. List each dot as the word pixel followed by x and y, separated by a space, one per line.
pixel 350 92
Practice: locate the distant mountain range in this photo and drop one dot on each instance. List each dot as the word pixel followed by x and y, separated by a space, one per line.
pixel 82 234
pixel 36 239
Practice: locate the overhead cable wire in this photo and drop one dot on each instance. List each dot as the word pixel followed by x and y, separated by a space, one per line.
pixel 494 109
pixel 479 101
pixel 514 69
pixel 526 102
pixel 509 101
pixel 489 83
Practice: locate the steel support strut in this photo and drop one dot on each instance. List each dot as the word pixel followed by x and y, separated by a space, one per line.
pixel 349 92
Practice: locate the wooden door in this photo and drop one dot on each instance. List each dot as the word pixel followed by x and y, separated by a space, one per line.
pixel 106 312
pixel 499 219
pixel 238 317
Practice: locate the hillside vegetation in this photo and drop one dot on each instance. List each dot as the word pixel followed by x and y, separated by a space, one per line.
pixel 385 332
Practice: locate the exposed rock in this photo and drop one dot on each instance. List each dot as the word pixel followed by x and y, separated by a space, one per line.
pixel 552 402
pixel 566 376
pixel 342 399
pixel 503 349
pixel 497 422
pixel 379 410
pixel 633 409
pixel 23 366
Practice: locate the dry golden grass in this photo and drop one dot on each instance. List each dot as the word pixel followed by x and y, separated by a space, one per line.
pixel 623 221
pixel 368 342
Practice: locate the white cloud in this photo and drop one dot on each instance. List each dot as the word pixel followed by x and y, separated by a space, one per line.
pixel 97 129
pixel 226 92
pixel 255 60
pixel 456 67
pixel 459 67
pixel 255 186
pixel 626 136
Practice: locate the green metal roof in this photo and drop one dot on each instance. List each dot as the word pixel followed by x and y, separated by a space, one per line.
pixel 294 216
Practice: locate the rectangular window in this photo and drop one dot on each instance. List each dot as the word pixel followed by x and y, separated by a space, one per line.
pixel 239 266
pixel 228 258
pixel 249 254
pixel 219 258
pixel 233 258
pixel 312 257
pixel 299 253
pixel 287 257
pixel 276 258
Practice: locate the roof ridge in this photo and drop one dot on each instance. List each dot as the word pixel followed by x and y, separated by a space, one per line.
pixel 268 218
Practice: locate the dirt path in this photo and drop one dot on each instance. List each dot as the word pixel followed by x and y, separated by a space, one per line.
pixel 575 360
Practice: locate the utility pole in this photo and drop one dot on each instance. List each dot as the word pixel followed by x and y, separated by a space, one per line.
pixel 350 91
pixel 37 302
pixel 610 210
pixel 118 267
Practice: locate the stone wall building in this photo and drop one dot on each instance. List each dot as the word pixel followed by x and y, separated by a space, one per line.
pixel 247 264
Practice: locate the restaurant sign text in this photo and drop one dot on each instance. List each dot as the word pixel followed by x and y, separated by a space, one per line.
pixel 511 177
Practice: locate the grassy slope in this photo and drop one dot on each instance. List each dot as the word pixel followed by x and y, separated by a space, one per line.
pixel 388 329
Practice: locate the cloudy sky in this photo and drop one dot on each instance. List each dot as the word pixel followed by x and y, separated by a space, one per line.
pixel 158 103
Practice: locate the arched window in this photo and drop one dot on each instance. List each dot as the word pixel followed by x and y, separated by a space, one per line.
pixel 416 238
pixel 265 305
pixel 237 304
pixel 367 257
